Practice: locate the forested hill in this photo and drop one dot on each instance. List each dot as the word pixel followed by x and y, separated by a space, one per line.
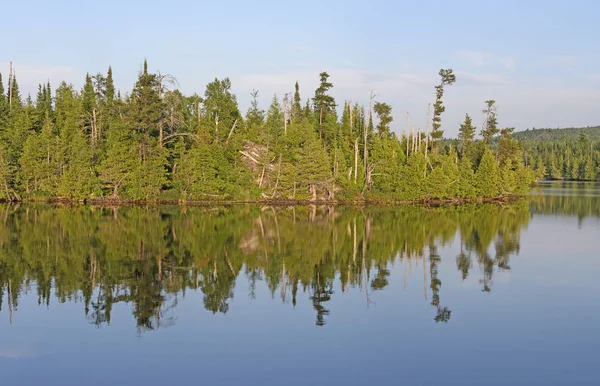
pixel 153 143
pixel 553 135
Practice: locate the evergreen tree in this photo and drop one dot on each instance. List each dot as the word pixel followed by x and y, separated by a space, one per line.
pixel 486 177
pixel 3 108
pixel 384 113
pixel 466 188
pixel 296 104
pixel 255 117
pixel 447 79
pixel 324 107
pixel 121 160
pixel 490 125
pixel 466 134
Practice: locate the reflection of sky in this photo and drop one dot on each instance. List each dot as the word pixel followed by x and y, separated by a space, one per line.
pixel 539 325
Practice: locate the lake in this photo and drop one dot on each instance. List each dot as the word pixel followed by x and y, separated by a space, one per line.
pixel 244 295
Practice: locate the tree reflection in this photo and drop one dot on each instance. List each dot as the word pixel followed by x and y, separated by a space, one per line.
pixel 149 257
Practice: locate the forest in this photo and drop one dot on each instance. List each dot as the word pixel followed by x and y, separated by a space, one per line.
pixel 156 144
pixel 148 258
pixel 567 159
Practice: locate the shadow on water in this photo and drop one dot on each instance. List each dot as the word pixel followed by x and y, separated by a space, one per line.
pixel 150 257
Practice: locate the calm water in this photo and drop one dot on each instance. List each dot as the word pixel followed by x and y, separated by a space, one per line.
pixel 471 295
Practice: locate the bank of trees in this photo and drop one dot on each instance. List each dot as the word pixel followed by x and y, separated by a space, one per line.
pixel 154 143
pixel 571 159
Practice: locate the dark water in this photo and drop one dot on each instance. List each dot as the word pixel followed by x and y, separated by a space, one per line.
pixel 470 295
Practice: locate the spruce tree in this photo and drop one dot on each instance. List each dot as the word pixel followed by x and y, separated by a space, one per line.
pixel 296 104
pixel 324 107
pixel 466 134
pixel 486 177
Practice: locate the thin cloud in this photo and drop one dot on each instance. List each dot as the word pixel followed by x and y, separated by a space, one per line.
pixel 482 58
pixel 480 80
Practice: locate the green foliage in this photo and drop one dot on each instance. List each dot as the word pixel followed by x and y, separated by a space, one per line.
pixel 490 125
pixel 486 177
pixel 575 159
pixel 157 143
pixel 143 258
pixel 466 134
pixel 466 188
pixel 384 114
pixel 121 159
pixel 447 78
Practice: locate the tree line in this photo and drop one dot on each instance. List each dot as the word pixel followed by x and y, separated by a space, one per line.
pixel 573 159
pixel 149 257
pixel 154 143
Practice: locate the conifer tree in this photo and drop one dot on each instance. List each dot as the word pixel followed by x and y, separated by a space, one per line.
pixel 490 125
pixel 3 108
pixel 384 113
pixel 255 117
pixel 466 134
pixel 486 177
pixel 324 107
pixel 447 79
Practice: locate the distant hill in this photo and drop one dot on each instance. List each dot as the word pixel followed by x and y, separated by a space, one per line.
pixel 567 134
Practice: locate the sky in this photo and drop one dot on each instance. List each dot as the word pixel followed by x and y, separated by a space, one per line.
pixel 538 59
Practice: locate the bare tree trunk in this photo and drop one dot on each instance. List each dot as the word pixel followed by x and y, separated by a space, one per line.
pixel 321 123
pixel 217 127
pixel 94 130
pixel 278 175
pixel 407 133
pixel 356 161
pixel 427 128
pixel 425 275
pixel 231 131
pixel 198 113
pixel 366 130
pixel 99 126
pixel 10 301
pixel 354 244
pixel 285 103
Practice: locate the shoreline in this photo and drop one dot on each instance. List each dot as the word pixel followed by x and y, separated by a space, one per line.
pixel 110 202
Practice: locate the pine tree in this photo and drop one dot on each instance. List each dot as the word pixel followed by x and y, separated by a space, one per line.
pixel 384 113
pixel 466 187
pixel 466 134
pixel 447 79
pixel 486 177
pixel 296 104
pixel 490 125
pixel 5 175
pixel 324 107
pixel 121 160
pixel 3 108
pixel 255 117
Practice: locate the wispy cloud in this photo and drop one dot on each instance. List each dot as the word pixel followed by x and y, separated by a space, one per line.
pixel 482 58
pixel 563 60
pixel 477 58
pixel 480 80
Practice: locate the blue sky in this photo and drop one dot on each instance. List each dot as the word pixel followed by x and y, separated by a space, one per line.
pixel 538 59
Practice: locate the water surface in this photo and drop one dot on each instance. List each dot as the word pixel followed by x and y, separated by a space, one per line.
pixel 469 295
